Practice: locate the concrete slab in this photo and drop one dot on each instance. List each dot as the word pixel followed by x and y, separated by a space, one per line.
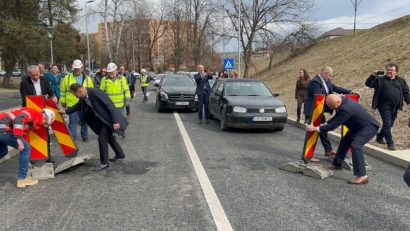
pixel 312 170
pixel 71 163
pixel 43 172
pixel 399 158
pixel 348 164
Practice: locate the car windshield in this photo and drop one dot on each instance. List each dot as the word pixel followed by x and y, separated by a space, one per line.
pixel 246 89
pixel 178 81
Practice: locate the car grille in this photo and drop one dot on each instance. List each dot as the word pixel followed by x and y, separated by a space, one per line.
pixel 181 97
pixel 256 110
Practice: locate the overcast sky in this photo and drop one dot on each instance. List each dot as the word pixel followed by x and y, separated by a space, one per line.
pixel 328 14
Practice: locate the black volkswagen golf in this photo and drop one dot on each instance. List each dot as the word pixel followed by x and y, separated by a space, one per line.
pixel 246 103
pixel 176 92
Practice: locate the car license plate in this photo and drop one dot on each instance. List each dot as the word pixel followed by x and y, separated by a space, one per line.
pixel 262 119
pixel 181 103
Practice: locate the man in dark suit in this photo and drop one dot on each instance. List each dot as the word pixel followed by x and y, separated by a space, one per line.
pixel 203 91
pixel 362 128
pixel 406 176
pixel 34 84
pixel 322 84
pixel 100 113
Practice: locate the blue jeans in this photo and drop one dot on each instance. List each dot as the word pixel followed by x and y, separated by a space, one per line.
pixel 388 117
pixel 8 139
pixel 72 125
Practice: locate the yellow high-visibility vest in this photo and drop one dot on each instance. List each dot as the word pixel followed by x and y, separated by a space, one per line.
pixel 66 96
pixel 116 89
pixel 144 81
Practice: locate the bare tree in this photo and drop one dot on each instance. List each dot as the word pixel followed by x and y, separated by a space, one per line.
pixel 116 12
pixel 258 15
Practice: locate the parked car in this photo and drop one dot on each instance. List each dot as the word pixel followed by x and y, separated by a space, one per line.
pixel 158 79
pixel 136 74
pixel 246 103
pixel 16 72
pixel 2 73
pixel 151 75
pixel 176 92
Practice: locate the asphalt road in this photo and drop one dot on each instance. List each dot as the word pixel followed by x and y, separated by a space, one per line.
pixel 9 100
pixel 156 187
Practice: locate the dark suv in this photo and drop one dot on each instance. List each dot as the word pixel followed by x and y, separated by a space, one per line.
pixel 176 92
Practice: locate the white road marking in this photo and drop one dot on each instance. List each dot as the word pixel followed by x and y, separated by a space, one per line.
pixel 221 220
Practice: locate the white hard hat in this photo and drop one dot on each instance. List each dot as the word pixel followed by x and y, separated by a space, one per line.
pixel 111 67
pixel 50 116
pixel 77 64
pixel 143 71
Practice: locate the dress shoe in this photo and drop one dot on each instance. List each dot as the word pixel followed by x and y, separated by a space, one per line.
pixel 101 167
pixel 314 159
pixel 26 182
pixel 380 141
pixel 359 180
pixel 330 153
pixel 333 167
pixel 392 147
pixel 115 158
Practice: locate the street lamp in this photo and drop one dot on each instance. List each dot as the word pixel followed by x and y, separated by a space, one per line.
pixel 86 31
pixel 239 38
pixel 50 36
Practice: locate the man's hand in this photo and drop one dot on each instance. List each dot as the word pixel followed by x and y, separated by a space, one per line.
pixel 20 145
pixel 127 102
pixel 310 128
pixel 54 99
pixel 61 110
pixel 356 93
pixel 116 126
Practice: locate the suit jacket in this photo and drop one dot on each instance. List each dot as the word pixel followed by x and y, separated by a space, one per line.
pixel 351 114
pixel 99 106
pixel 202 85
pixel 27 88
pixel 316 86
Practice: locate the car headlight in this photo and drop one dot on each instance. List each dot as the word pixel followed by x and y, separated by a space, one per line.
pixel 164 95
pixel 239 109
pixel 281 110
pixel 196 98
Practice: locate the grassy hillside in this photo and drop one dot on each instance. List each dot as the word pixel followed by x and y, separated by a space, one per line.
pixel 353 58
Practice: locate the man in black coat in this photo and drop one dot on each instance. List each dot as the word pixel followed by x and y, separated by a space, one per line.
pixel 100 113
pixel 203 91
pixel 322 84
pixel 34 84
pixel 362 128
pixel 389 92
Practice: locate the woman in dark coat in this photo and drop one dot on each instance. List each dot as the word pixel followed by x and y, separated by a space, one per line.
pixel 301 92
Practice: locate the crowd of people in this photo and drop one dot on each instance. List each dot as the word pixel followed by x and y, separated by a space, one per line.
pixel 103 104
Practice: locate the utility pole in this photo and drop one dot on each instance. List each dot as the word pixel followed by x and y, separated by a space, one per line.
pixel 356 4
pixel 86 31
pixel 239 39
pixel 132 42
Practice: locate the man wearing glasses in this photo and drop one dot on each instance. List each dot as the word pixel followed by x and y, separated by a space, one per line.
pixel 389 92
pixel 98 77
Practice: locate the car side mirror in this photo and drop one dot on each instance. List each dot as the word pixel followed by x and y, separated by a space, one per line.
pixel 275 94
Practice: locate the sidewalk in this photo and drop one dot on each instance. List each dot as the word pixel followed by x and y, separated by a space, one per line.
pixel 399 158
pixel 8 90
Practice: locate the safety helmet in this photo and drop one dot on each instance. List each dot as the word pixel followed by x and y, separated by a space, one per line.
pixel 77 64
pixel 143 71
pixel 111 67
pixel 50 116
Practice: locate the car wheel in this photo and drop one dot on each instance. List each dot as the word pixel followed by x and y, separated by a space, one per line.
pixel 211 117
pixel 280 128
pixel 222 121
pixel 158 105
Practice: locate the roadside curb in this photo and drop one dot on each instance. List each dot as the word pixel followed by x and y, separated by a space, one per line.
pixel 399 158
